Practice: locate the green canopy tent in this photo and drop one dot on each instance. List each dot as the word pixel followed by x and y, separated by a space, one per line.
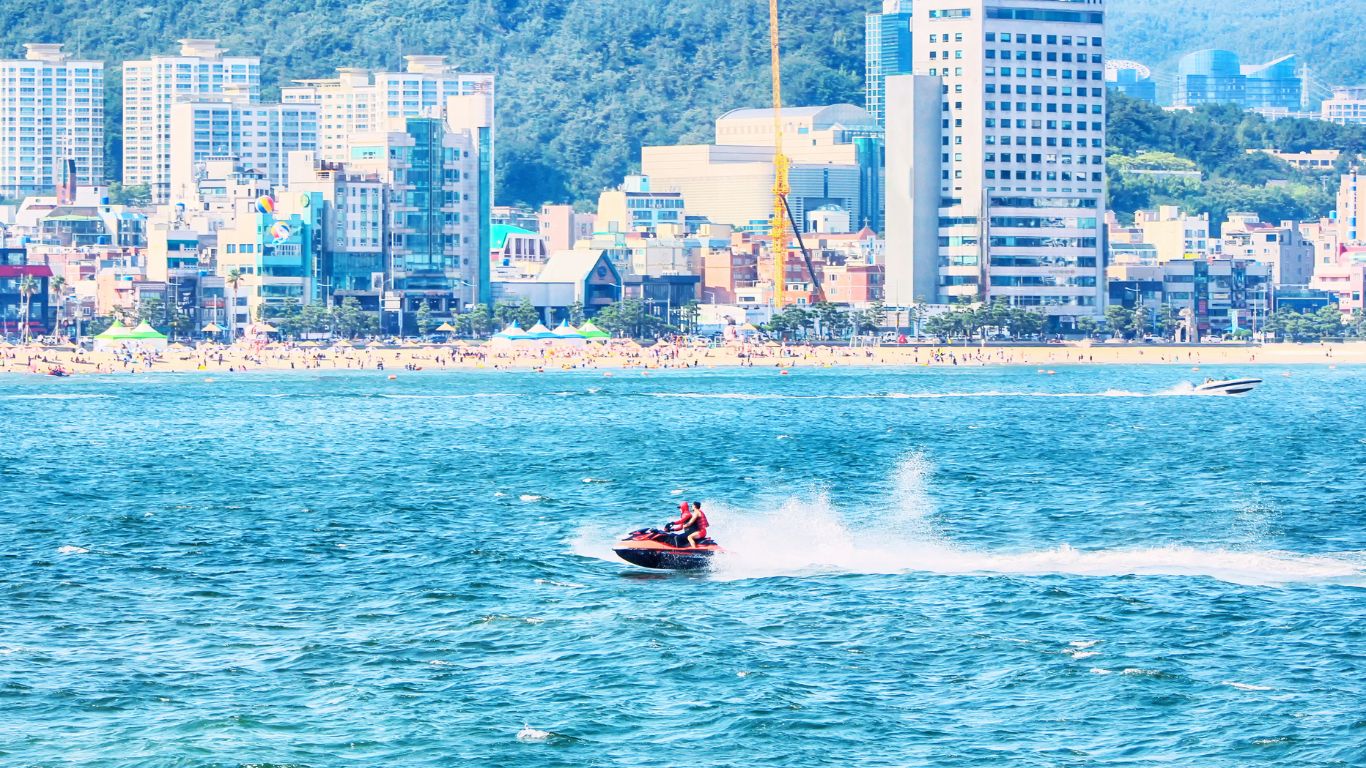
pixel 593 333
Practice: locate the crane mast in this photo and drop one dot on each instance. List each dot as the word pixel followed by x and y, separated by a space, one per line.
pixel 778 224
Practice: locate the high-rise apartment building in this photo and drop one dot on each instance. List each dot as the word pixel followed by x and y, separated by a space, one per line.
pixel 886 52
pixel 358 101
pixel 152 86
pixel 995 157
pixel 260 136
pixel 51 112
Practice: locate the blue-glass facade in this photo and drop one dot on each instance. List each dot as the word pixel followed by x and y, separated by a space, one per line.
pixel 886 52
pixel 1217 77
pixel 1133 84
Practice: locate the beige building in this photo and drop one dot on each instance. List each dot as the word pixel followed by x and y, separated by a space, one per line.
pixel 1281 246
pixel 731 181
pixel 1173 234
pixel 1313 160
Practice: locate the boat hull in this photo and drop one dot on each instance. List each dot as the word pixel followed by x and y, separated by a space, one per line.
pixel 1230 387
pixel 662 557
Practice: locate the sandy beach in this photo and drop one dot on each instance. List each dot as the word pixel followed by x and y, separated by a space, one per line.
pixel 242 357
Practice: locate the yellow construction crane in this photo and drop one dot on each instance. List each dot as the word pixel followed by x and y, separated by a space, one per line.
pixel 778 225
pixel 782 212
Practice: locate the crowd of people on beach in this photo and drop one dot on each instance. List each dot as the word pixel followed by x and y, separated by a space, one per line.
pixel 257 355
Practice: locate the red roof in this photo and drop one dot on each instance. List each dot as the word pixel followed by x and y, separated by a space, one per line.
pixel 36 270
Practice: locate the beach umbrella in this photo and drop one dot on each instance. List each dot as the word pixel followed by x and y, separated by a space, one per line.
pixel 212 328
pixel 446 328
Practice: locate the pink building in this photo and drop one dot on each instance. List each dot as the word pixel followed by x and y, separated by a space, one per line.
pixel 857 284
pixel 561 226
pixel 1344 276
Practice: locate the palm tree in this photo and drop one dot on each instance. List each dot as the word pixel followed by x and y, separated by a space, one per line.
pixel 28 286
pixel 234 279
pixel 57 289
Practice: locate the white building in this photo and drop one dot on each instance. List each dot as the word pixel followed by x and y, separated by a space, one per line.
pixel 51 111
pixel 152 86
pixel 260 136
pixel 1346 107
pixel 359 101
pixel 995 156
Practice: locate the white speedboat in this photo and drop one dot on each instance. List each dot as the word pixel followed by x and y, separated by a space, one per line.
pixel 1227 386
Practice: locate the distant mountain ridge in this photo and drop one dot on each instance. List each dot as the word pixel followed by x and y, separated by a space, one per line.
pixel 583 83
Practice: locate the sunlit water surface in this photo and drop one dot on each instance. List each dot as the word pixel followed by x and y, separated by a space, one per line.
pixel 948 567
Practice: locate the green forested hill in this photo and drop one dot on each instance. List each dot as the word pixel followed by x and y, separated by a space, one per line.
pixel 583 83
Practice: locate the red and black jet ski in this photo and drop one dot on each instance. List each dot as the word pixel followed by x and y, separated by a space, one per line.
pixel 665 550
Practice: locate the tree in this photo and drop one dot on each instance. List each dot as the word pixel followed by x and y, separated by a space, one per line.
pixel 1167 321
pixel 479 320
pixel 1119 319
pixel 1356 323
pixel 1087 326
pixel 152 310
pixel 349 319
pixel 56 288
pixel 504 312
pixel 526 314
pixel 132 195
pixel 425 321
pixel 233 280
pixel 1141 321
pixel 576 314
pixel 28 287
pixel 940 326
pixel 1027 323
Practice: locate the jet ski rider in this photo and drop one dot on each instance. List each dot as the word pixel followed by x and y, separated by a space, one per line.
pixel 691 523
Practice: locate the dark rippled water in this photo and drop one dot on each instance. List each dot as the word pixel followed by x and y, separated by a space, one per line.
pixel 960 567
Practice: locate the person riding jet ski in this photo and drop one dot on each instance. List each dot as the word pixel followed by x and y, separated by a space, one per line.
pixel 681 545
pixel 691 524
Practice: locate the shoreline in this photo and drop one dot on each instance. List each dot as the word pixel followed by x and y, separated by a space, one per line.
pixel 216 359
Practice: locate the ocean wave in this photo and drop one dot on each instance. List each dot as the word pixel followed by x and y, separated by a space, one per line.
pixel 809 537
pixel 57 396
pixel 1179 391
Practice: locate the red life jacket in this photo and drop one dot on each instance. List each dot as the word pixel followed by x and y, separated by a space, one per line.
pixel 700 521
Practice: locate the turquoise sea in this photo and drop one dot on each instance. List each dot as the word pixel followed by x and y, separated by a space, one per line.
pixel 928 567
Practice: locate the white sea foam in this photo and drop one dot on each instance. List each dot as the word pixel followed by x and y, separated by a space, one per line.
pixel 1099 671
pixel 809 536
pixel 72 550
pixel 56 396
pixel 530 735
pixel 531 497
pixel 1177 391
pixel 1245 686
